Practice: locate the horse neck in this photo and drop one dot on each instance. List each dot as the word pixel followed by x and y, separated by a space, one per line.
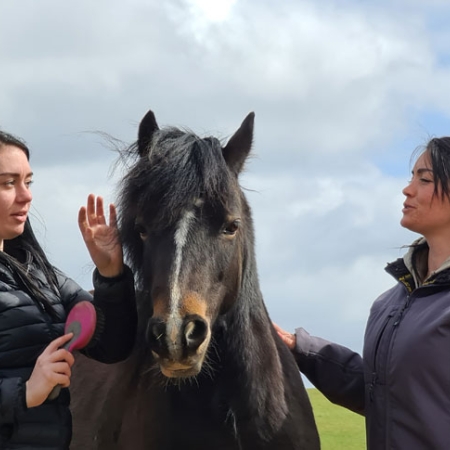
pixel 252 361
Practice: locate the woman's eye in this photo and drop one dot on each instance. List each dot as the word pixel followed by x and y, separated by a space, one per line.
pixel 232 227
pixel 27 183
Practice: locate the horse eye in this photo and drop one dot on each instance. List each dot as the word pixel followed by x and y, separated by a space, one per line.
pixel 141 230
pixel 232 227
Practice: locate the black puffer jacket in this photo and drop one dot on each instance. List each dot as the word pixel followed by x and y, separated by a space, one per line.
pixel 26 329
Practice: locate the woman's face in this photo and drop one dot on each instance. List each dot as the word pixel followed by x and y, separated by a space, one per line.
pixel 15 194
pixel 424 212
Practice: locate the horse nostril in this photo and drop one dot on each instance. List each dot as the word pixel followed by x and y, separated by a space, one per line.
pixel 195 332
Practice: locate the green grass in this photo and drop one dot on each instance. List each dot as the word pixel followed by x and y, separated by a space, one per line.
pixel 339 428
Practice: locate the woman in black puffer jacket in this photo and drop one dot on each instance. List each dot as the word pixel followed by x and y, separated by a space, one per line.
pixel 35 299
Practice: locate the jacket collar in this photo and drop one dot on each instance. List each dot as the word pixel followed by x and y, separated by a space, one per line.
pixel 412 268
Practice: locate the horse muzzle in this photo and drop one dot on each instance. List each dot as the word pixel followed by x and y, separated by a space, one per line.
pixel 179 345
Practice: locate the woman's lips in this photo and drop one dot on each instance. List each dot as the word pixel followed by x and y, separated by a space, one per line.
pixel 21 216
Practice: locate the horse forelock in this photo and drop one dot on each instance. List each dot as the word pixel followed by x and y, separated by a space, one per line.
pixel 177 172
pixel 178 169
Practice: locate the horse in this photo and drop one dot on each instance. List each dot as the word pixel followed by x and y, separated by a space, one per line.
pixel 208 370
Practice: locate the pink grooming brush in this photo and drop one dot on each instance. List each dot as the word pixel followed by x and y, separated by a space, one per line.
pixel 81 321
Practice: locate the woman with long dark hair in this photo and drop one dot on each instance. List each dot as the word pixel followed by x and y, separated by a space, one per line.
pixel 401 384
pixel 35 299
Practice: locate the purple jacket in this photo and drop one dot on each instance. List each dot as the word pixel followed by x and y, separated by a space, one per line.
pixel 402 383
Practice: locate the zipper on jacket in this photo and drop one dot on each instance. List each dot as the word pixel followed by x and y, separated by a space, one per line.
pixel 402 311
pixel 372 385
pixel 374 379
pixel 380 334
pixel 377 344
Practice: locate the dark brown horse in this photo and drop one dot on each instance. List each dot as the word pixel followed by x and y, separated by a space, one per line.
pixel 208 371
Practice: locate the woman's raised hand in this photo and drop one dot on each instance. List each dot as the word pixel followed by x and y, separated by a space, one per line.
pixel 102 240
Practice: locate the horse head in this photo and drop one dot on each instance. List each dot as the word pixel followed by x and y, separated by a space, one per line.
pixel 184 223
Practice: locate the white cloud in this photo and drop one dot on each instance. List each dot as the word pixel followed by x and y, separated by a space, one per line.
pixel 211 11
pixel 336 88
pixel 59 192
pixel 322 245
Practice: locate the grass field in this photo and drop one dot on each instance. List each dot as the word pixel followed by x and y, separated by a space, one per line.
pixel 339 428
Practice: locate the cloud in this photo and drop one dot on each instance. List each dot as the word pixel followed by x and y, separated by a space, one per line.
pixel 350 73
pixel 59 192
pixel 322 244
pixel 341 92
pixel 308 70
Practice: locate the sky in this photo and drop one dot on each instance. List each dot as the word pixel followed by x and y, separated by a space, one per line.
pixel 343 92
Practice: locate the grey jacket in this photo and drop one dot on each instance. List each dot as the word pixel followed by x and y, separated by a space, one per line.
pixel 402 383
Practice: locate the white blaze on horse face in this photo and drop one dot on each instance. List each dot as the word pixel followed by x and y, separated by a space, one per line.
pixel 175 320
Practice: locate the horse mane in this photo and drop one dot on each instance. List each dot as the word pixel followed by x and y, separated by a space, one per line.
pixel 248 331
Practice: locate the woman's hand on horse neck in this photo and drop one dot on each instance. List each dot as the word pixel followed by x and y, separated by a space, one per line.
pixel 286 337
pixel 101 239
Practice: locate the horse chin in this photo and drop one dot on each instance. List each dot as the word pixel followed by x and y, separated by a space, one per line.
pixel 180 371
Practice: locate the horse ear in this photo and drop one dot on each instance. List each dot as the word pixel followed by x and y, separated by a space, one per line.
pixel 239 145
pixel 147 127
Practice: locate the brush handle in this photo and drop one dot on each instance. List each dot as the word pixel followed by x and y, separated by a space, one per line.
pixel 54 392
pixel 57 389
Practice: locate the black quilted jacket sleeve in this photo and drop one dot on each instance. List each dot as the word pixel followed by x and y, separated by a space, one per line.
pixel 114 299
